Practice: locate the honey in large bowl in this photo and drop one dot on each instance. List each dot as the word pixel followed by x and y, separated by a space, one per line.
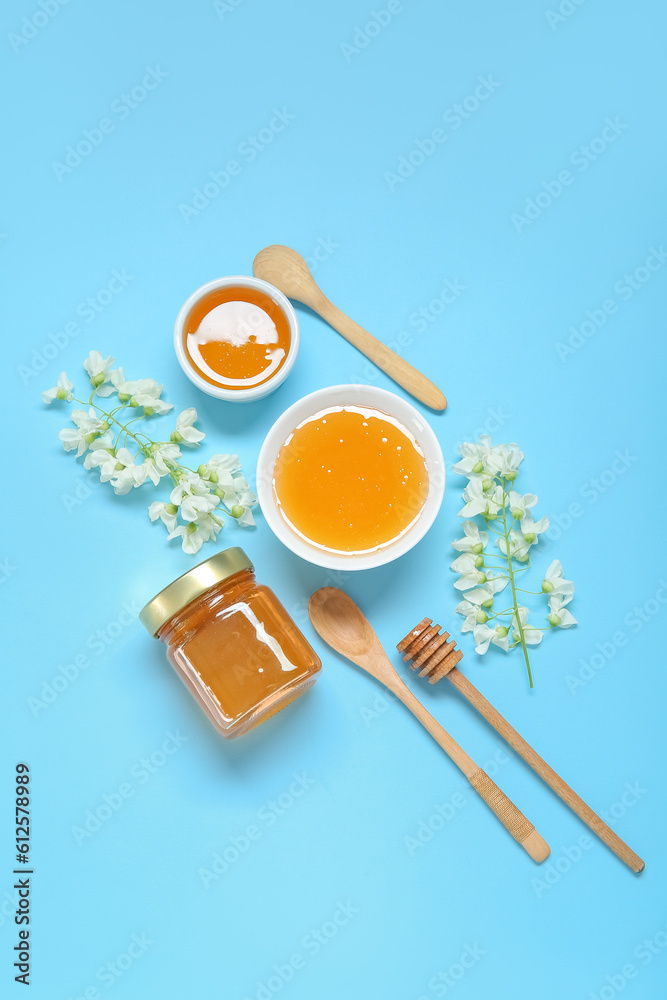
pixel 350 479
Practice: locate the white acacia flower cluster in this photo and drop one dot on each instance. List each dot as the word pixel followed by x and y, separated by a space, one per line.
pixel 490 494
pixel 126 457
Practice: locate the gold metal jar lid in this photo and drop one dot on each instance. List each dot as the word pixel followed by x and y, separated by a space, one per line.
pixel 191 585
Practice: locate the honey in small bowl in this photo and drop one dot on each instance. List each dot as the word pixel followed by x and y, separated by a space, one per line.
pixel 350 479
pixel 236 337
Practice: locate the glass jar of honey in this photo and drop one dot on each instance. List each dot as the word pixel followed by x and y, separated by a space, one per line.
pixel 231 642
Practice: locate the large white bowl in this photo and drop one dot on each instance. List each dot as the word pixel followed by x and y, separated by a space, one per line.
pixel 254 392
pixel 350 395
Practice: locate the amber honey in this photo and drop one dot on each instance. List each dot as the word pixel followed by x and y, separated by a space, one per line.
pixel 236 337
pixel 231 642
pixel 350 479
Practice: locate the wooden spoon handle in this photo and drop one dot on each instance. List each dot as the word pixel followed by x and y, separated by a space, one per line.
pixel 512 819
pixel 391 363
pixel 570 797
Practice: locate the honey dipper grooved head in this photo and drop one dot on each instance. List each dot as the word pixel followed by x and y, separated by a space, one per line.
pixel 432 653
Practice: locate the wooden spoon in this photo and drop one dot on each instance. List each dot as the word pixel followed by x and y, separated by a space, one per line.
pixel 342 625
pixel 288 271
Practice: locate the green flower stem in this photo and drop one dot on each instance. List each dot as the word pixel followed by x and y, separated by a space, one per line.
pixel 113 419
pixel 499 614
pixel 174 467
pixel 124 427
pixel 139 433
pixel 511 571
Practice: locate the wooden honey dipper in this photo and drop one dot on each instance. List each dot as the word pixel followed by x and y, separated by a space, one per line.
pixel 343 626
pixel 435 656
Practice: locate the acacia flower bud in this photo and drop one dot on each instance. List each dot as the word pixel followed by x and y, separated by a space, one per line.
pixel 237 510
pixel 481 617
pixel 553 619
pixel 479 562
pixel 501 631
pixel 478 467
pixel 547 587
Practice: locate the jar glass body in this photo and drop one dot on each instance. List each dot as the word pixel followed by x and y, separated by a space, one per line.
pixel 239 653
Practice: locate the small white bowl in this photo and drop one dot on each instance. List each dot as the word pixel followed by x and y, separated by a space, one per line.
pixel 350 395
pixel 253 392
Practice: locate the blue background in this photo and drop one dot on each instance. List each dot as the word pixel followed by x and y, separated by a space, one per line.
pixel 373 776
